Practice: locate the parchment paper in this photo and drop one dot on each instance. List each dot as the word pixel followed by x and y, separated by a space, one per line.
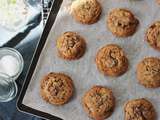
pixel 84 71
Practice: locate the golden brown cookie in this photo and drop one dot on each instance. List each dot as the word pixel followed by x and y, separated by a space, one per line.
pixel 86 11
pixel 139 109
pixel 111 60
pixel 153 35
pixel 98 102
pixel 122 22
pixel 71 46
pixel 148 72
pixel 56 88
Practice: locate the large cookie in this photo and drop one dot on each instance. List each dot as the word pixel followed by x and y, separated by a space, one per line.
pixel 71 46
pixel 148 72
pixel 111 60
pixel 122 22
pixel 86 11
pixel 153 35
pixel 99 102
pixel 139 109
pixel 56 88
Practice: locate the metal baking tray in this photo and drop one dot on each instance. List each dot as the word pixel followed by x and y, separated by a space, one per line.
pixel 21 107
pixel 135 49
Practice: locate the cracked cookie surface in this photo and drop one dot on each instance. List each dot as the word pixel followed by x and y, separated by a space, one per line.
pixel 111 60
pixel 139 109
pixel 86 11
pixel 98 102
pixel 148 72
pixel 121 22
pixel 153 35
pixel 56 88
pixel 71 46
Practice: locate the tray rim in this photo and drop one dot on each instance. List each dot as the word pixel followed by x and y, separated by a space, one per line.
pixel 20 106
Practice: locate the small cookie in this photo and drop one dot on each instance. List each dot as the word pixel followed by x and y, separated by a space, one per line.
pixel 71 46
pixel 86 11
pixel 111 60
pixel 148 72
pixel 121 22
pixel 139 109
pixel 99 102
pixel 153 35
pixel 56 88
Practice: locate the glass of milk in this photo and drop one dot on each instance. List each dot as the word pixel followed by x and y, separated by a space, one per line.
pixel 11 62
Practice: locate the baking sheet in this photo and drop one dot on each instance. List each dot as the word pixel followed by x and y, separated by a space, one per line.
pixel 84 71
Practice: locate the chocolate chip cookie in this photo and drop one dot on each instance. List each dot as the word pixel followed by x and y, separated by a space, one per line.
pixel 153 35
pixel 122 22
pixel 56 88
pixel 111 60
pixel 71 46
pixel 86 11
pixel 99 102
pixel 148 72
pixel 139 109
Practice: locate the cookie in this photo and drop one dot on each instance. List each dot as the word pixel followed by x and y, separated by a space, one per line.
pixel 148 72
pixel 111 60
pixel 153 35
pixel 86 11
pixel 71 46
pixel 139 109
pixel 122 22
pixel 56 88
pixel 98 102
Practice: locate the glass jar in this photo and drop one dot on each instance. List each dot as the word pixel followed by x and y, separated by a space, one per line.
pixel 8 88
pixel 6 51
